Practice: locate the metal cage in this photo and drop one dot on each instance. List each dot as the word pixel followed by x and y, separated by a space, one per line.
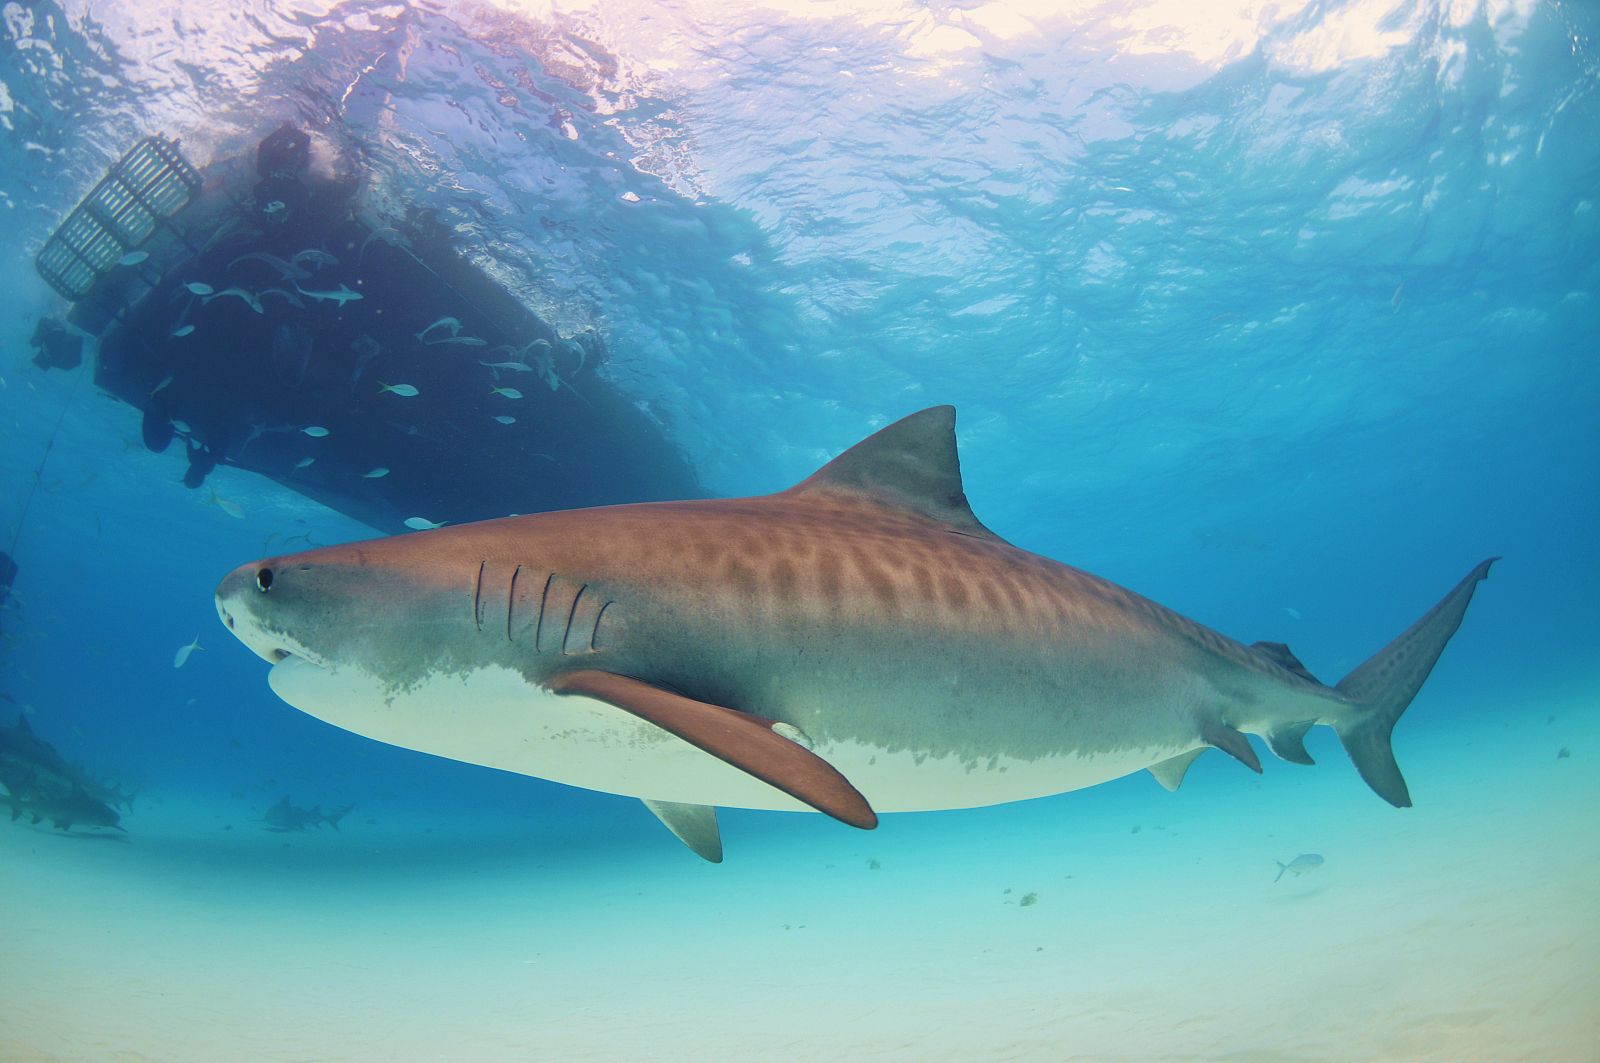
pixel 151 183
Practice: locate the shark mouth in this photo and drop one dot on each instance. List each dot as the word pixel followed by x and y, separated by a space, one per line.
pixel 255 639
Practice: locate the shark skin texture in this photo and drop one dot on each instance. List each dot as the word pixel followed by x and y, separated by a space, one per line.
pixel 856 644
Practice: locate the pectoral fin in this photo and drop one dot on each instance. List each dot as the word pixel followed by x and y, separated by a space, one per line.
pixel 746 741
pixel 694 825
pixel 1232 742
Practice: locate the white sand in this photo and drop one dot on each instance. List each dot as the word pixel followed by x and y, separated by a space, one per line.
pixel 1467 928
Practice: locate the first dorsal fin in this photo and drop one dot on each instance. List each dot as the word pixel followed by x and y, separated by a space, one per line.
pixel 910 465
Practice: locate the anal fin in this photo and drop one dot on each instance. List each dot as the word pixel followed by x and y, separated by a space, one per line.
pixel 742 739
pixel 1169 773
pixel 694 826
pixel 1289 742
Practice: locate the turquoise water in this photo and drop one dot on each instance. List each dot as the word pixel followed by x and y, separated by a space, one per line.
pixel 1283 318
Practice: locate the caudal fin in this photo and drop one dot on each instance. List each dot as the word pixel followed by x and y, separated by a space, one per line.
pixel 1388 681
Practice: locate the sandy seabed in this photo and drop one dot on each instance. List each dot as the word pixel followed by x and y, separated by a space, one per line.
pixel 1117 924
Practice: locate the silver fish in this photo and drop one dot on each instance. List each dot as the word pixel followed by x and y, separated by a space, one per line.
pixel 287 270
pixel 340 295
pixel 314 255
pixel 181 658
pixel 453 324
pixel 239 293
pixel 1299 865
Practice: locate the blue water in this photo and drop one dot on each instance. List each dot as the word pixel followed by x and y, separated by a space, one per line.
pixel 1284 319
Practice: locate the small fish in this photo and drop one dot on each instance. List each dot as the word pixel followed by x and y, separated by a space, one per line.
pixel 287 270
pixel 181 658
pixel 510 393
pixel 133 258
pixel 1300 865
pixel 375 474
pixel 315 431
pixel 315 255
pixel 405 391
pixel 453 324
pixel 239 293
pixel 255 433
pixel 387 234
pixel 340 295
pixel 422 524
pixel 1294 614
pixel 515 367
pixel 180 333
pixel 199 288
pixel 161 386
pixel 232 509
pixel 459 341
pixel 275 207
pixel 1394 300
pixel 303 462
pixel 182 426
pixel 366 349
pixel 287 296
pixel 505 418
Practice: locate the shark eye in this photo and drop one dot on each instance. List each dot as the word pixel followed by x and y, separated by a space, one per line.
pixel 264 579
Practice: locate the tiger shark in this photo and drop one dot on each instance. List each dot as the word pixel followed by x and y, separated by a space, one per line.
pixel 856 644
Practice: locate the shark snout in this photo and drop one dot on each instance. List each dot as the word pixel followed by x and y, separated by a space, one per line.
pixel 240 599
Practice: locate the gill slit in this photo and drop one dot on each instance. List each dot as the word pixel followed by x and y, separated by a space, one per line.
pixel 572 613
pixel 594 636
pixel 544 599
pixel 511 599
pixel 477 598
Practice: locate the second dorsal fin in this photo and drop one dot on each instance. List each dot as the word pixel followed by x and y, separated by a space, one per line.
pixel 1278 653
pixel 910 465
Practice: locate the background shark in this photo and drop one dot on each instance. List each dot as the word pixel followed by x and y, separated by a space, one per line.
pixel 39 781
pixel 857 643
pixel 286 816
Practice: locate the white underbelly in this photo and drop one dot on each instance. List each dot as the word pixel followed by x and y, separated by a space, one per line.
pixel 494 717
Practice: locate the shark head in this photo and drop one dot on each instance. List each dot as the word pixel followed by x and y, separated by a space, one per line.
pixel 388 613
pixel 451 641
